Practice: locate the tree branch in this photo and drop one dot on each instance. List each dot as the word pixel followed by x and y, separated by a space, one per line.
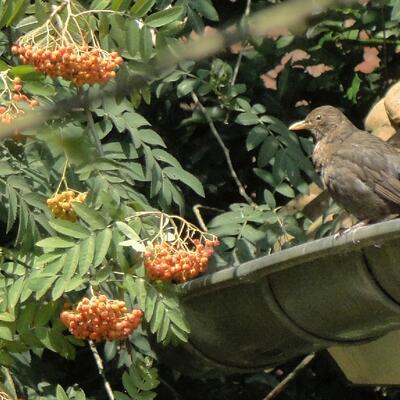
pixel 197 213
pixel 100 367
pixel 240 55
pixel 225 150
pixel 285 382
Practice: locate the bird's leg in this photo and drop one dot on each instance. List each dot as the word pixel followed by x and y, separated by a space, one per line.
pixel 353 228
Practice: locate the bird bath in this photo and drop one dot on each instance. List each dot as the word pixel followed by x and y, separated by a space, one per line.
pixel 322 294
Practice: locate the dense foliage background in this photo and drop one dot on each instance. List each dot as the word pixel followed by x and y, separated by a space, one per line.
pixel 206 140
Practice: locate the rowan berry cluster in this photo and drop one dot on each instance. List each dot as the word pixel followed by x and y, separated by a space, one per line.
pixel 12 96
pixel 100 318
pixel 79 64
pixel 178 262
pixel 61 204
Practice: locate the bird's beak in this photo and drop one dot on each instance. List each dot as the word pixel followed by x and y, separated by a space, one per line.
pixel 298 126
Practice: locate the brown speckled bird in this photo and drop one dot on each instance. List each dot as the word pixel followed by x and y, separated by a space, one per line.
pixel 361 171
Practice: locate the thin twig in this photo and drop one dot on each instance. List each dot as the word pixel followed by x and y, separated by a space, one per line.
pixel 240 55
pixel 239 58
pixel 200 220
pixel 225 150
pixel 282 385
pixel 100 367
pixel 197 213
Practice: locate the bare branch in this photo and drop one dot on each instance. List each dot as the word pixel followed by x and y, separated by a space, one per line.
pixel 225 150
pixel 282 385
pixel 197 213
pixel 240 55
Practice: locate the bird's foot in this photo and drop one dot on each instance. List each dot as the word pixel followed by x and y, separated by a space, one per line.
pixel 352 229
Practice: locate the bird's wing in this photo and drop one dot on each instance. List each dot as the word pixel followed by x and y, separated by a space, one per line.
pixel 377 163
pixel 386 186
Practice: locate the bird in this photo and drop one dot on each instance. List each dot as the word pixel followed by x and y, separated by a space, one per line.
pixel 360 170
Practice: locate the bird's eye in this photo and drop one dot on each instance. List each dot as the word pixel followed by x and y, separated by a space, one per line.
pixel 318 117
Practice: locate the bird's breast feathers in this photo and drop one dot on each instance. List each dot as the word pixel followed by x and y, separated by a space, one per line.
pixel 322 154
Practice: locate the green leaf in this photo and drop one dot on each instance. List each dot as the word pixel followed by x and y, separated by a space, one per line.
pixel 129 285
pixel 18 8
pixel 74 283
pixel 286 190
pixel 162 332
pixel 353 90
pixel 59 287
pixel 44 313
pixel 121 396
pixel 26 315
pixel 182 336
pixel 6 333
pixel 55 243
pixel 6 169
pixel 255 137
pixel 177 318
pixel 164 156
pixel 185 177
pixel 68 228
pixel 129 385
pixel 3 66
pixel 151 300
pixel 247 118
pixel 151 137
pixel 103 240
pixel 186 86
pixel 145 43
pixel 15 291
pixel 395 15
pixel 206 9
pixel 71 261
pixel 269 198
pixel 60 393
pixel 36 200
pixel 100 4
pixel 39 89
pixel 7 317
pixel 40 11
pixel 268 149
pixel 132 38
pixel 24 71
pixel 92 217
pixel 140 290
pixel 87 254
pixel 41 285
pixel 158 316
pixel 142 7
pixel 164 17
pixel 11 195
pixel 127 230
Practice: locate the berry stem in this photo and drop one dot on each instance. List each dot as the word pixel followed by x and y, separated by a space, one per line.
pixel 63 177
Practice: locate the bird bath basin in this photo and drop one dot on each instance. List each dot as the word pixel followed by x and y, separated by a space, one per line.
pixel 322 294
